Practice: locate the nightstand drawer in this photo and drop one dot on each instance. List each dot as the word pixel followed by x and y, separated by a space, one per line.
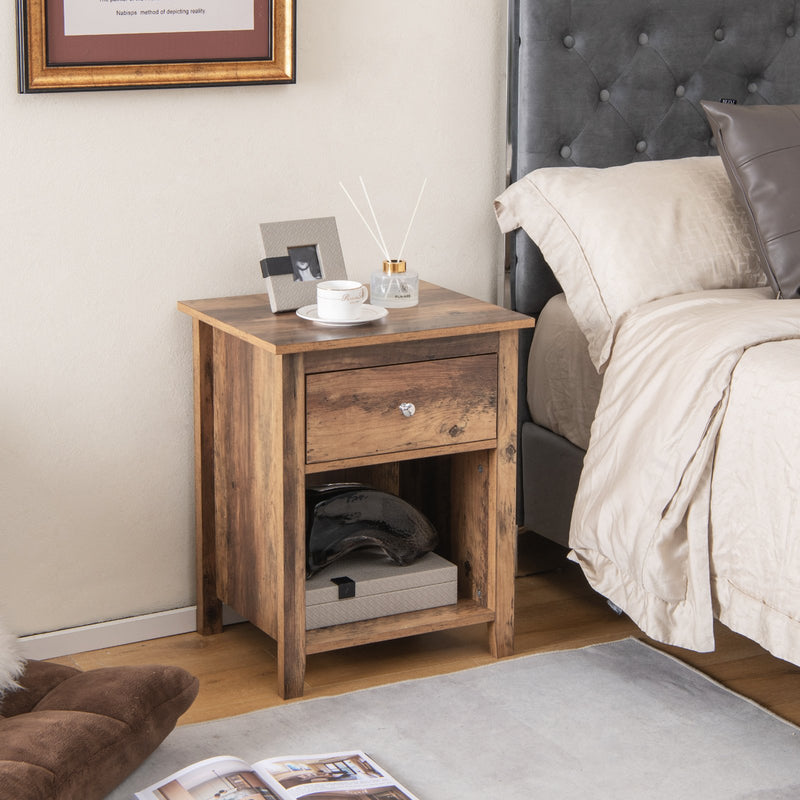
pixel 364 412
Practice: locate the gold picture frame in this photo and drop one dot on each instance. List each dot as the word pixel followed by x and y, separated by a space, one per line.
pixel 66 46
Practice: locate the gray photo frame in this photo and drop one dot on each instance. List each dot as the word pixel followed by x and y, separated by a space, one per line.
pixel 297 254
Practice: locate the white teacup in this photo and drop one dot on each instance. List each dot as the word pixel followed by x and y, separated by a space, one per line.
pixel 340 301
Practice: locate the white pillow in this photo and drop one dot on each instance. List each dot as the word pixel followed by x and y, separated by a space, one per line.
pixel 621 236
pixel 12 663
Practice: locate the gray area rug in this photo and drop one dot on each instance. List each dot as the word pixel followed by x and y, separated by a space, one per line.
pixel 619 720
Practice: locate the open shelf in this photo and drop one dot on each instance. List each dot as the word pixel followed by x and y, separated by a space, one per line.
pixel 463 613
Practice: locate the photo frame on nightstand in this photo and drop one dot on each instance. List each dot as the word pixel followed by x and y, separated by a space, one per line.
pixel 297 254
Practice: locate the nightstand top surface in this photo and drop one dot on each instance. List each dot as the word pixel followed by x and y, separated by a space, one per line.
pixel 441 312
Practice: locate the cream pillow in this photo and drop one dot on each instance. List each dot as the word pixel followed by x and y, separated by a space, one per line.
pixel 621 236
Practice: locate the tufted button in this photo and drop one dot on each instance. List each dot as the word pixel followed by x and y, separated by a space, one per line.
pixel 752 87
pixel 641 146
pixel 566 151
pixel 569 41
pixel 790 31
pixel 643 38
pixel 680 90
pixel 719 34
pixel 604 95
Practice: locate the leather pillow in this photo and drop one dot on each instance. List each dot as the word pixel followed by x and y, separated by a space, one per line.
pixel 760 148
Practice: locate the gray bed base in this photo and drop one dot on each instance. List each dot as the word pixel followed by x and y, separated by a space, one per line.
pixel 598 83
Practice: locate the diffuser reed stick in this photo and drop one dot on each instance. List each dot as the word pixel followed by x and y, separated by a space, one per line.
pixel 378 237
pixel 394 286
pixel 381 247
pixel 411 222
pixel 375 220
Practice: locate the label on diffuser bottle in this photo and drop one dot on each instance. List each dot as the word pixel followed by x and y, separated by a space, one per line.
pixel 395 290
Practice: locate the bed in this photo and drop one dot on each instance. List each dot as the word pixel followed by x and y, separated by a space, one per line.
pixel 652 214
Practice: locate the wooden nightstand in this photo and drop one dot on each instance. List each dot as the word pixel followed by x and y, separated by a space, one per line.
pixel 277 399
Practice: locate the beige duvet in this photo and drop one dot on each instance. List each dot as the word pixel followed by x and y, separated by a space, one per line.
pixel 689 500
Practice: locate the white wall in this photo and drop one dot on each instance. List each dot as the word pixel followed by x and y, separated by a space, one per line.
pixel 115 205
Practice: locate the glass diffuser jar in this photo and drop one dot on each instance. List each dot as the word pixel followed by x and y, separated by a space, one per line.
pixel 394 286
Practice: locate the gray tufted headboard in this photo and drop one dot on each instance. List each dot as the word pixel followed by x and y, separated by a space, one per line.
pixel 604 82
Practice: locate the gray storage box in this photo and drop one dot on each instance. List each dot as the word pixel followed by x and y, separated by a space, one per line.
pixel 381 588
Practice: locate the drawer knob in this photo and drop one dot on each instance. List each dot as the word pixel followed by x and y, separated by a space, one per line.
pixel 408 409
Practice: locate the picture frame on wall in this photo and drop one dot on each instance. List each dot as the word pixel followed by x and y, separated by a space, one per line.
pixel 297 254
pixel 68 45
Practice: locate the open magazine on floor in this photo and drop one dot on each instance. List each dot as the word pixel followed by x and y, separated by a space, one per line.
pixel 329 776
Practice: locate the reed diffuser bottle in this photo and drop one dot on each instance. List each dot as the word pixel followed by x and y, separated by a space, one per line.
pixel 394 286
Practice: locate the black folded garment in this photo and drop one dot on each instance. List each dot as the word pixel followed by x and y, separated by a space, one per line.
pixel 342 517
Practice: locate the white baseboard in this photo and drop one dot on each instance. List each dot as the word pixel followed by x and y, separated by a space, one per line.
pixel 101 635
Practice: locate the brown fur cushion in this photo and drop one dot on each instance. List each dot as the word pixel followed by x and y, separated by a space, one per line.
pixel 68 734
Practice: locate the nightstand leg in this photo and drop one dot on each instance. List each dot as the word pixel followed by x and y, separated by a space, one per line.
pixel 292 613
pixel 291 667
pixel 292 595
pixel 505 468
pixel 501 631
pixel 209 606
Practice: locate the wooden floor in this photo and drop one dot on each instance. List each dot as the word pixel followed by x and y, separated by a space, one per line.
pixel 555 610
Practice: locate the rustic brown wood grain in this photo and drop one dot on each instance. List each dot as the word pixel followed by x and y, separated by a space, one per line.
pixel 441 313
pixel 209 606
pixel 282 404
pixel 354 413
pixel 505 476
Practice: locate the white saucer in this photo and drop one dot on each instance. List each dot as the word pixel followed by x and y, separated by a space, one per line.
pixel 367 313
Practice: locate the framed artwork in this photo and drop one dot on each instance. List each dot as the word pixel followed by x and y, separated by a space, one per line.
pixel 298 254
pixel 134 44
